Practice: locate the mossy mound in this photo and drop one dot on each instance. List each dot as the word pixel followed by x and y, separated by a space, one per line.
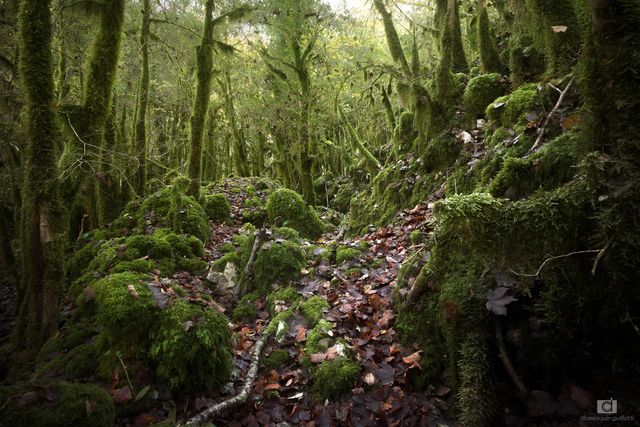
pixel 335 377
pixel 512 109
pixel 441 152
pixel 124 300
pixel 190 348
pixel 345 253
pixel 278 262
pixel 277 359
pixel 217 207
pixel 286 207
pixel 57 404
pixel 313 309
pixel 284 296
pixel 479 93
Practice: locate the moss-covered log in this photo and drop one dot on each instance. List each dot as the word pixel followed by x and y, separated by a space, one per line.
pixel 43 215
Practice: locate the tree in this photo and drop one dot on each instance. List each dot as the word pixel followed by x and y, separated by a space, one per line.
pixel 204 69
pixel 43 214
pixel 140 137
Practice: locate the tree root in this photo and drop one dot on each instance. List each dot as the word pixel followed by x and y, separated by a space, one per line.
pixel 220 408
pixel 543 129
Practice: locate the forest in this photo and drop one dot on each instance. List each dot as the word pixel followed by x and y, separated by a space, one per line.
pixel 319 213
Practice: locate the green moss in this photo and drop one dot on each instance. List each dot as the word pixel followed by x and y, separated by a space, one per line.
pixel 287 234
pixel 479 93
pixel 191 347
pixel 278 262
pixel 313 309
pixel 72 405
pixel 525 61
pixel 441 152
pixel 277 359
pixel 489 57
pixel 507 111
pixel 124 318
pixel 287 207
pixel 416 237
pixel 217 207
pixel 287 295
pixel 335 377
pixel 318 340
pixel 345 253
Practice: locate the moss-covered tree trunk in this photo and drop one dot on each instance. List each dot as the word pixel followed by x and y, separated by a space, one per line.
pixel 43 217
pixel 447 19
pixel 489 57
pixel 239 147
pixel 140 138
pixel 204 68
pixel 610 84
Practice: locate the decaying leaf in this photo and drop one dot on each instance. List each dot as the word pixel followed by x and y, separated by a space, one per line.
pixel 497 300
pixel 133 292
pixel 559 28
pixel 413 360
pixel 122 395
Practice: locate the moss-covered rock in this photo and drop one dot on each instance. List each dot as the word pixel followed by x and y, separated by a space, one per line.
pixel 313 309
pixel 217 207
pixel 57 404
pixel 441 152
pixel 277 359
pixel 479 93
pixel 335 377
pixel 509 110
pixel 125 308
pixel 286 207
pixel 278 262
pixel 190 347
pixel 346 253
pixel 287 296
pixel 318 340
pixel 245 309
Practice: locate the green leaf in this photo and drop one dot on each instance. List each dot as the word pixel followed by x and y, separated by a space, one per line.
pixel 142 393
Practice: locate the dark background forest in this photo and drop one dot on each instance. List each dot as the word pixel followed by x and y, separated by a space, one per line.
pixel 306 212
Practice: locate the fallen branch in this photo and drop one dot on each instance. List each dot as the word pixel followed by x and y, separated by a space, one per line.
pixel 219 408
pixel 508 366
pixel 546 261
pixel 598 258
pixel 542 130
pixel 248 269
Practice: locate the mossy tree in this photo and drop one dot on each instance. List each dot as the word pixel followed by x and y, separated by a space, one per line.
pixel 204 64
pixel 140 137
pixel 43 215
pixel 489 57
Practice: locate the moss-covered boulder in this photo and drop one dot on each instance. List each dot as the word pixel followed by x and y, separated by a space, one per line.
pixel 510 110
pixel 191 347
pixel 333 378
pixel 125 308
pixel 56 404
pixel 313 309
pixel 287 297
pixel 278 262
pixel 286 207
pixel 217 207
pixel 479 93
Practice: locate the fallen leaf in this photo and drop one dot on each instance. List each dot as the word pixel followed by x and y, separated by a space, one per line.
pixel 301 336
pixel 142 393
pixel 442 390
pixel 296 396
pixel 122 394
pixel 317 357
pixel 89 294
pixel 187 325
pixel 413 360
pixel 498 300
pixel 132 291
pixel 369 378
pixel 272 386
pixel 559 28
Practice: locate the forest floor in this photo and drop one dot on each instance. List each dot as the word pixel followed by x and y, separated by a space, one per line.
pixel 362 311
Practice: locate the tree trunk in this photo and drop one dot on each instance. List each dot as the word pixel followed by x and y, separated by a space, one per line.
pixel 489 57
pixel 140 139
pixel 43 216
pixel 204 68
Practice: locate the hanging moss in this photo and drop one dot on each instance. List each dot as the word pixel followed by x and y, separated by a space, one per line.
pixel 191 348
pixel 287 208
pixel 72 404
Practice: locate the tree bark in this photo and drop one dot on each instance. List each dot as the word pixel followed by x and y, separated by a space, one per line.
pixel 43 215
pixel 140 139
pixel 204 68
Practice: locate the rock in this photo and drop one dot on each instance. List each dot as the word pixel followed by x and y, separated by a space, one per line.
pixel 225 282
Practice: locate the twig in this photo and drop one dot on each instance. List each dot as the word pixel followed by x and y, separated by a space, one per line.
pixel 219 408
pixel 598 258
pixel 508 366
pixel 260 236
pixel 543 129
pixel 126 373
pixel 537 273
